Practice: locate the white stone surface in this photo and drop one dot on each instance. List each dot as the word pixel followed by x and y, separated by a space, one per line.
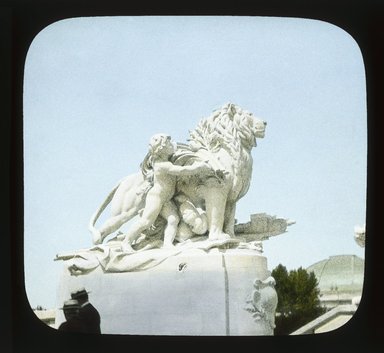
pixel 194 293
pixel 223 141
pixel 181 269
pixel 261 227
pixel 360 235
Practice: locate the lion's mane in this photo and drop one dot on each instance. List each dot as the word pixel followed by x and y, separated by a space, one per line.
pixel 227 127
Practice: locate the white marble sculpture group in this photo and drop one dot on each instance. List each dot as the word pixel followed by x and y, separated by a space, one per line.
pixel 182 239
pixel 194 187
pixel 184 194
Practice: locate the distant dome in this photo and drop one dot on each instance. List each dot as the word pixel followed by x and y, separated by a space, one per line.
pixel 342 273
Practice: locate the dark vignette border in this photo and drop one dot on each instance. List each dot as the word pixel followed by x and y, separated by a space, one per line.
pixel 20 22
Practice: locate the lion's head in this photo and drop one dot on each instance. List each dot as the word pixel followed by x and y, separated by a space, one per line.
pixel 228 127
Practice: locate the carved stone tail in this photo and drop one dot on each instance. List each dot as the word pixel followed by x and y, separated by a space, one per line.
pixel 96 215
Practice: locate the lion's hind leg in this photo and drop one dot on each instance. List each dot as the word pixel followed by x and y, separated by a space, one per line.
pixel 126 203
pixel 114 223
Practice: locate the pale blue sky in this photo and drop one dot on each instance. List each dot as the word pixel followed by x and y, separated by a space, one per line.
pixel 97 88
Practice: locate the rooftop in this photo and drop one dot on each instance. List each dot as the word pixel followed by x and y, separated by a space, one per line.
pixel 342 273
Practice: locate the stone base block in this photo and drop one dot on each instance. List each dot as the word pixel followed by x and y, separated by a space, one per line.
pixel 195 293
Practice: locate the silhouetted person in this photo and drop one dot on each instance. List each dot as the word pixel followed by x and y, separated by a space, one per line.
pixel 71 309
pixel 88 314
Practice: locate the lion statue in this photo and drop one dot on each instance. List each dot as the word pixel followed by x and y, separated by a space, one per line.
pixel 224 140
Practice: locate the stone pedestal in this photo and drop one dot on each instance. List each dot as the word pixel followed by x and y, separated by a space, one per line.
pixel 210 293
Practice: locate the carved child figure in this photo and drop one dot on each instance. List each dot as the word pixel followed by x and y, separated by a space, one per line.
pixel 162 173
pixel 194 219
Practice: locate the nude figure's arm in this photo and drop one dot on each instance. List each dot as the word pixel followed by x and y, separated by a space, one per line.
pixel 197 167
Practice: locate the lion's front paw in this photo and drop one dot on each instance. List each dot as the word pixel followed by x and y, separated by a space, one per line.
pixel 218 236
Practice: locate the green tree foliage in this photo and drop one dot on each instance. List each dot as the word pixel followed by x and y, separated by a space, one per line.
pixel 298 295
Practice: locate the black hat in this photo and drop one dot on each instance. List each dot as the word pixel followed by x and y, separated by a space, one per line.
pixel 81 292
pixel 71 304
